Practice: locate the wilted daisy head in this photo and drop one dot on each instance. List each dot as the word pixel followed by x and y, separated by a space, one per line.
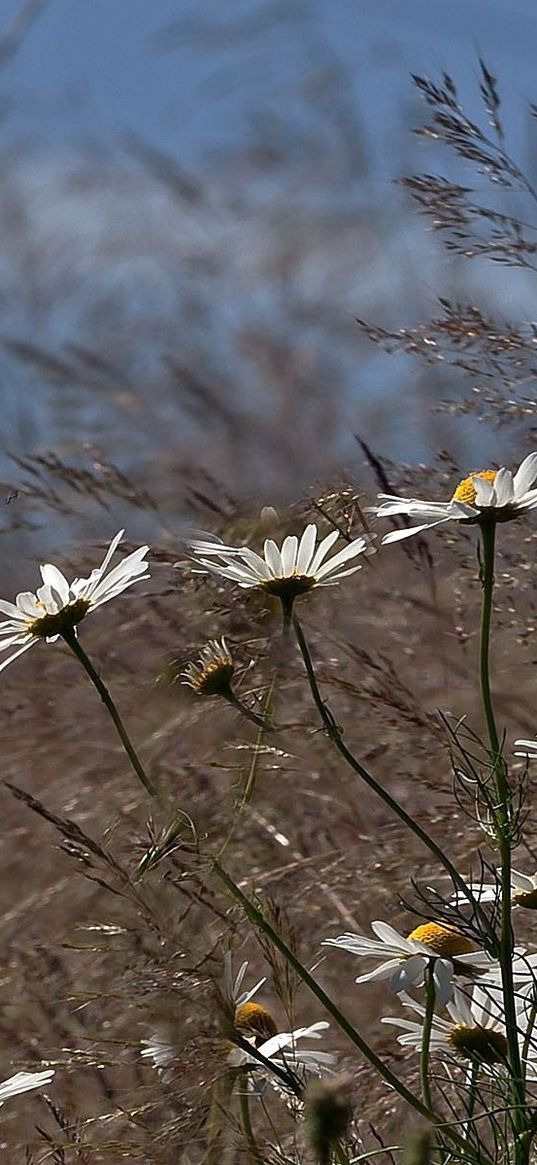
pixel 212 674
pixel 59 606
pixel 487 494
pixel 286 572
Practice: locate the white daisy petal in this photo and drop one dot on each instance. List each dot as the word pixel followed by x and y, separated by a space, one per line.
pixel 484 491
pixel 289 553
pixel 398 535
pixel 525 475
pixel 53 578
pixel 442 979
pixel 273 558
pixel 28 604
pixel 306 549
pixel 503 488
pixel 354 548
pixel 322 550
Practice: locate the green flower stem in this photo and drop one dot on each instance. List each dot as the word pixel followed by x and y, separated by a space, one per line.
pixel 426 1038
pixel 70 638
pixel 256 917
pixel 244 710
pixel 340 1155
pixel 336 736
pixel 247 1129
pixel 472 1095
pixel 503 833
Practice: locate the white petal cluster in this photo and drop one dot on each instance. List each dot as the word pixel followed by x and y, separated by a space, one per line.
pixel 404 961
pixel 478 1013
pixel 303 562
pixel 232 985
pixel 523 891
pixel 281 1050
pixel 59 604
pixel 24 1082
pixel 506 496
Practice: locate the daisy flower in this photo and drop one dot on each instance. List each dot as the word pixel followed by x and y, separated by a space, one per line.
pixel 287 572
pixel 256 1026
pixel 24 1082
pixel 403 961
pixel 164 1045
pixel 475 1030
pixel 523 891
pixel 59 606
pixel 279 1048
pixel 491 494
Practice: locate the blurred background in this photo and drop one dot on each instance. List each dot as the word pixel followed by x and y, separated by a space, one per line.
pixel 196 202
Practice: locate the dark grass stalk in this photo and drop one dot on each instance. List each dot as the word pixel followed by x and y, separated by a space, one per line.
pixel 246 1120
pixel 71 640
pixel 336 736
pixel 426 1038
pixel 258 920
pixel 503 833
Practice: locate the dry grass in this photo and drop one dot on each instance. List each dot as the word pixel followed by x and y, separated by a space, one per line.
pixel 94 962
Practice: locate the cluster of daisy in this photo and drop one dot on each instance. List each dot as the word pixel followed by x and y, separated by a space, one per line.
pixel 466 981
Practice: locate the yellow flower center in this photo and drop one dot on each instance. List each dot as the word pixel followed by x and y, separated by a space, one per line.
pixel 64 620
pixel 526 898
pixel 478 1043
pixel 445 941
pixel 253 1021
pixel 466 491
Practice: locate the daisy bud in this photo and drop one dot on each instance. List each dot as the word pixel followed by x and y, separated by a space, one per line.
pixel 417 1150
pixel 328 1109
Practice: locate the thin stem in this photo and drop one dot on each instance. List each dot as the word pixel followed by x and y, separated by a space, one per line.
pixel 247 1129
pixel 262 924
pixel 336 736
pixel 472 1096
pixel 244 710
pixel 503 833
pixel 72 642
pixel 488 536
pixel 426 1037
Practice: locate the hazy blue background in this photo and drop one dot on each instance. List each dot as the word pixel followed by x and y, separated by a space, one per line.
pixel 245 266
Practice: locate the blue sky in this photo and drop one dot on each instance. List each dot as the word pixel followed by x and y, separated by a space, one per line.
pixel 94 68
pixel 194 78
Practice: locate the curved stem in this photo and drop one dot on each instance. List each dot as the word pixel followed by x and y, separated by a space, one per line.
pixel 488 537
pixel 502 819
pixel 257 918
pixel 244 710
pixel 247 1129
pixel 336 736
pixel 426 1037
pixel 72 642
